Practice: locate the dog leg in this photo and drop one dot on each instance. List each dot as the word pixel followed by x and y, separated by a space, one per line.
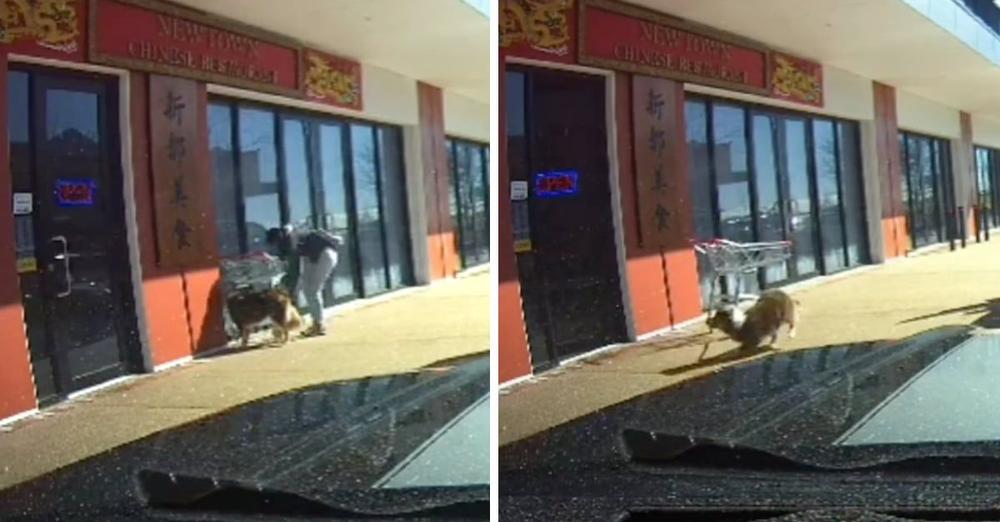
pixel 245 334
pixel 280 335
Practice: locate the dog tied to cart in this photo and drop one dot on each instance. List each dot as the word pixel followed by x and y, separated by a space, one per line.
pixel 770 310
pixel 255 297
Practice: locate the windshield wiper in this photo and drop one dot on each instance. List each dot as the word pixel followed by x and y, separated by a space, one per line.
pixel 189 493
pixel 682 451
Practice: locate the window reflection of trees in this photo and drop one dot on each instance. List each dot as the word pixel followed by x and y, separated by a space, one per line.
pixel 338 164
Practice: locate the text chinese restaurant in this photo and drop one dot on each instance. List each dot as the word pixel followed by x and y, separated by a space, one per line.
pixel 150 143
pixel 630 132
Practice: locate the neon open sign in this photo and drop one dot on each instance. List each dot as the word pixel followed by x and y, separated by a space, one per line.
pixel 75 193
pixel 557 184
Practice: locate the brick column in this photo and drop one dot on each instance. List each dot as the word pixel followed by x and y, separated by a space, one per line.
pixel 895 232
pixel 441 248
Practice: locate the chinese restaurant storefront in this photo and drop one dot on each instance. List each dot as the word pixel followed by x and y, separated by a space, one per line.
pixel 628 134
pixel 149 142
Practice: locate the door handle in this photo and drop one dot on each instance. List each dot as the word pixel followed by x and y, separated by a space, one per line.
pixel 64 257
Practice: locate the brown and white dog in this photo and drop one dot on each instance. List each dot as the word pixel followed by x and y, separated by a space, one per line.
pixel 762 320
pixel 251 309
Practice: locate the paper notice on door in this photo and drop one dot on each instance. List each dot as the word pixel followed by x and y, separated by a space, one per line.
pixel 521 228
pixel 22 203
pixel 518 190
pixel 26 264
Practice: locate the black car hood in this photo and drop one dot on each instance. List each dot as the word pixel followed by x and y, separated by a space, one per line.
pixel 802 405
pixel 317 442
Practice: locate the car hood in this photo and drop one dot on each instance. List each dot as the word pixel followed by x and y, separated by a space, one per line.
pixel 929 394
pixel 379 432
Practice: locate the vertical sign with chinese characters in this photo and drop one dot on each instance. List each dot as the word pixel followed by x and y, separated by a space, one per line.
pixel 657 115
pixel 173 121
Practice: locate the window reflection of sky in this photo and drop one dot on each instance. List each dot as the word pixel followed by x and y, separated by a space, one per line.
pixel 17 89
pixel 71 110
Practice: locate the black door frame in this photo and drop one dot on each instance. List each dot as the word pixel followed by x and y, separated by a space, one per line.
pixel 40 79
pixel 553 356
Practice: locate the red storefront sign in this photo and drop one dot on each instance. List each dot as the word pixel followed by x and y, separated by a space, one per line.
pixel 164 39
pixel 331 79
pixel 48 28
pixel 539 29
pixel 796 79
pixel 619 36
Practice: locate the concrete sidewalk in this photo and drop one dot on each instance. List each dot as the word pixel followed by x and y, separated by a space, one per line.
pixel 889 301
pixel 413 330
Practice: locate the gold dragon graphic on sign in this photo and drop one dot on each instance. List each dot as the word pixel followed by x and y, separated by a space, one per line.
pixel 325 82
pixel 542 24
pixel 51 23
pixel 790 81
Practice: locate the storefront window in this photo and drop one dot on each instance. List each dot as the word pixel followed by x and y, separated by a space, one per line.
pixel 761 174
pixel 770 215
pixel 300 211
pixel 828 192
pixel 470 196
pixel 347 177
pixel 923 191
pixel 394 206
pixel 695 114
pixel 259 168
pixel 226 193
pixel 337 217
pixel 986 182
pixel 852 192
pixel 800 216
pixel 369 215
pixel 732 173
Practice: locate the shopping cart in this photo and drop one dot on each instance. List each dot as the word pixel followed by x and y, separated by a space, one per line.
pixel 251 273
pixel 734 261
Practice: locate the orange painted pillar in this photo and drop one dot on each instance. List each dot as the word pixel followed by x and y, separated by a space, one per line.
pixel 17 386
pixel 662 272
pixel 203 281
pixel 163 289
pixel 441 249
pixel 895 231
pixel 183 308
pixel 513 355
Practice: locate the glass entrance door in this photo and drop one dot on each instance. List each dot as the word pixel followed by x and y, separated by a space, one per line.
pixel 569 278
pixel 76 289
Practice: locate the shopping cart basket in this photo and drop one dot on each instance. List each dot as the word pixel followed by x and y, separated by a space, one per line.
pixel 734 260
pixel 248 274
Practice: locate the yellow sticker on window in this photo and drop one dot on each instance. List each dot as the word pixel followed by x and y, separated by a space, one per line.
pixel 26 264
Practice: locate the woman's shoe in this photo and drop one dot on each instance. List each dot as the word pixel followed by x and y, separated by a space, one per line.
pixel 314 332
